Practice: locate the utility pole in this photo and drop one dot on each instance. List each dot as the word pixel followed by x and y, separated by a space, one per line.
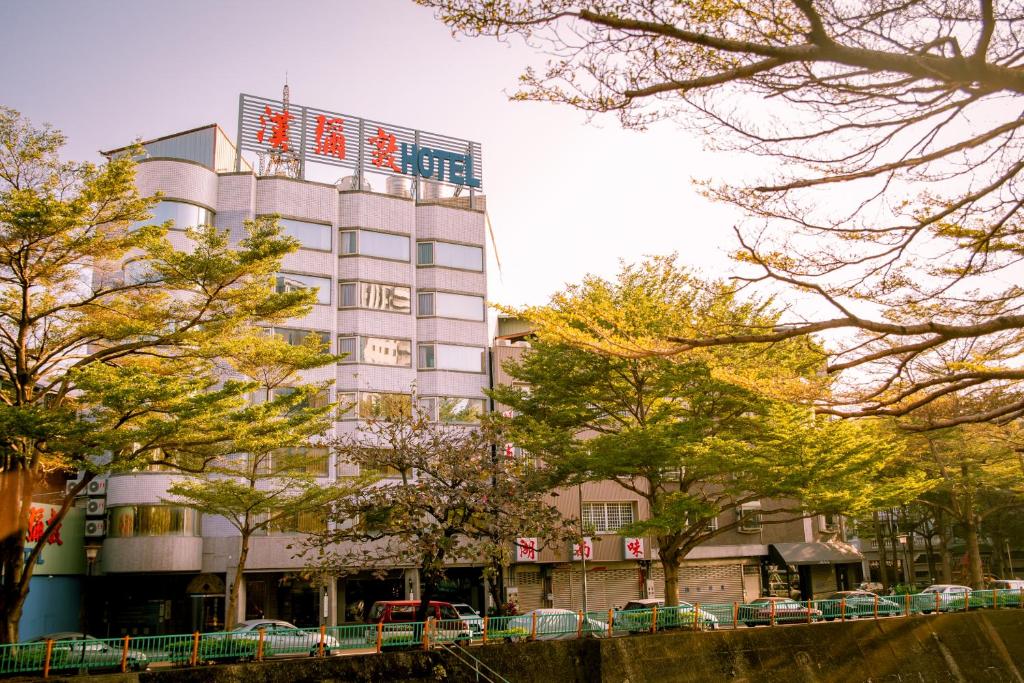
pixel 583 543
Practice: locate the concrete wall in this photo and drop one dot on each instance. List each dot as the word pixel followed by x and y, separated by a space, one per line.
pixel 980 646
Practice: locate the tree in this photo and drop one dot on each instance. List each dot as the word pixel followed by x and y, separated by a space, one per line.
pixel 978 472
pixel 108 336
pixel 888 174
pixel 272 482
pixel 445 497
pixel 696 436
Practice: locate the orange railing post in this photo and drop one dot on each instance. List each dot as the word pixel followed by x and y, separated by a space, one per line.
pixel 809 603
pixel 124 654
pixel 486 619
pixel 967 601
pixel 611 619
pixel 771 613
pixel 995 598
pixel 195 647
pixel 735 614
pixel 579 624
pixel 696 616
pixel 259 645
pixel 654 618
pixel 426 634
pixel 533 626
pixel 906 605
pixel 938 603
pixel 380 636
pixel 323 632
pixel 842 609
pixel 49 653
pixel 875 606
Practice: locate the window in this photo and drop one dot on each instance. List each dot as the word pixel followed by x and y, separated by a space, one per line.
pixel 375 296
pixel 607 518
pixel 376 244
pixel 310 235
pixel 303 522
pixel 712 524
pixel 290 282
pixel 128 521
pixel 183 214
pixel 297 337
pixel 451 409
pixel 371 405
pixel 448 305
pixel 749 515
pixel 451 357
pixel 449 255
pixel 376 351
pixel 319 400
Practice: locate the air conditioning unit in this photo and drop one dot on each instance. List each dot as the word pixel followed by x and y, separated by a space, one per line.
pixel 97 487
pixel 95 527
pixel 69 486
pixel 96 507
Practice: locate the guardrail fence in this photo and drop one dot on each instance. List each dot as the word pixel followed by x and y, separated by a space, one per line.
pixel 136 653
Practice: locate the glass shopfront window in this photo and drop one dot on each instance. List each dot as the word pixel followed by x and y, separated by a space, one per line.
pixel 128 521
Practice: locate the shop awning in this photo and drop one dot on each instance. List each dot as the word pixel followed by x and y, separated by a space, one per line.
pixel 826 552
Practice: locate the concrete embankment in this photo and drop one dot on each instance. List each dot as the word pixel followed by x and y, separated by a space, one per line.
pixel 980 646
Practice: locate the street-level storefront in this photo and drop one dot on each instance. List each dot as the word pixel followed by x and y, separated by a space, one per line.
pixel 813 570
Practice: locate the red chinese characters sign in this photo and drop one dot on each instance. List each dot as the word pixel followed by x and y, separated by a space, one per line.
pixel 633 548
pixel 36 527
pixel 526 550
pixel 314 135
pixel 583 550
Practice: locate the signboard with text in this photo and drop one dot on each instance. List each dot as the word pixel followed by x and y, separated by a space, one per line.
pixel 64 552
pixel 526 550
pixel 633 548
pixel 316 135
pixel 583 550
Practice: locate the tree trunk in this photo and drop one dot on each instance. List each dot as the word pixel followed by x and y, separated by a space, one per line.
pixel 495 585
pixel 997 558
pixel 911 562
pixel 929 549
pixel 236 583
pixel 974 571
pixel 883 560
pixel 946 563
pixel 670 565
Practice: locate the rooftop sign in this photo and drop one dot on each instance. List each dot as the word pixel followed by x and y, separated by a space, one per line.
pixel 303 134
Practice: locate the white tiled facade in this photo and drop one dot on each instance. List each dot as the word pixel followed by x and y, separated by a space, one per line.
pixel 236 197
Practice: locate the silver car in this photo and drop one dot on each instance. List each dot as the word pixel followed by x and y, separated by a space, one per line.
pixel 282 637
pixel 471 617
pixel 75 650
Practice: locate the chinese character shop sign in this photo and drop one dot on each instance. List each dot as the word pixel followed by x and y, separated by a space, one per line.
pixel 583 550
pixel 526 550
pixel 349 141
pixel 633 548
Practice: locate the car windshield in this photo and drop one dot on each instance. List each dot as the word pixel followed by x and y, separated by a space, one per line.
pixel 376 611
pixel 465 610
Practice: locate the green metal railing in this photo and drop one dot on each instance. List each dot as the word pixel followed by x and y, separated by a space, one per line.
pixel 138 653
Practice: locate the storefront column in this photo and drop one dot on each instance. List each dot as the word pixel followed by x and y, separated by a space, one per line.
pixel 412 584
pixel 335 604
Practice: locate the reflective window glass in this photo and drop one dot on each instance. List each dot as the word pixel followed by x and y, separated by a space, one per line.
pixel 127 521
pixel 458 256
pixel 309 235
pixel 290 282
pixel 448 305
pixel 375 296
pixel 385 351
pixel 183 214
pixel 454 409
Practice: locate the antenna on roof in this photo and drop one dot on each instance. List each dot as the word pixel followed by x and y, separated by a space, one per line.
pixel 284 161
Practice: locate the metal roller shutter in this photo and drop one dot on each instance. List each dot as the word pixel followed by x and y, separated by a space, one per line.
pixel 531 588
pixel 606 588
pixel 708 583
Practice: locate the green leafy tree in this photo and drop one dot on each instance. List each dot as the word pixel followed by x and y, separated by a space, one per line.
pixel 109 336
pixel 272 483
pixel 445 497
pixel 698 435
pixel 885 175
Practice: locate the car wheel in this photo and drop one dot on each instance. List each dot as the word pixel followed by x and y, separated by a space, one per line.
pixel 749 623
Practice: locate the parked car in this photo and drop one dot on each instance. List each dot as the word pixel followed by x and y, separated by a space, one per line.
pixel 281 637
pixel 681 616
pixel 552 624
pixel 786 611
pixel 948 595
pixel 859 604
pixel 471 617
pixel 74 650
pixel 401 629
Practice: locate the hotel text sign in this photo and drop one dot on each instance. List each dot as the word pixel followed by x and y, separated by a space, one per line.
pixel 315 135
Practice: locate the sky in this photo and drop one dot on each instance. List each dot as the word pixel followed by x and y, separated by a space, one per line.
pixel 565 196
